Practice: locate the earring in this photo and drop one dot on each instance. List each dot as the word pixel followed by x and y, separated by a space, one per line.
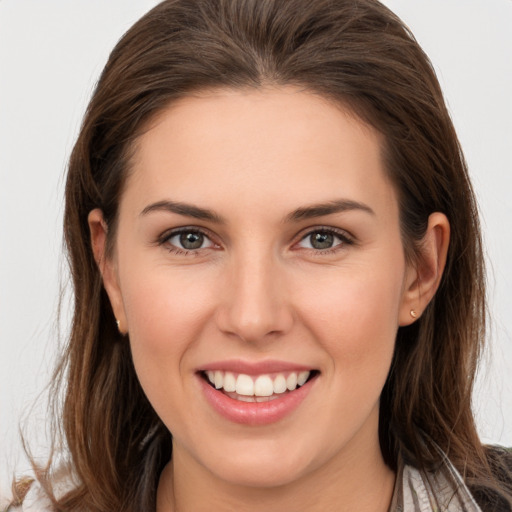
pixel 414 314
pixel 118 323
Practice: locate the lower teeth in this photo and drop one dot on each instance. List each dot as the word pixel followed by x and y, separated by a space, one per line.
pixel 244 398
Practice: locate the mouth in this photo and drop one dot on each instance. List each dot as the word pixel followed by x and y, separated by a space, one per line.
pixel 257 393
pixel 257 388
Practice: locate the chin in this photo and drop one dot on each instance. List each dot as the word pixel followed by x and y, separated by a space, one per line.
pixel 260 466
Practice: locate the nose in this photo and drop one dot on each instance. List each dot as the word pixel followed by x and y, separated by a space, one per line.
pixel 255 305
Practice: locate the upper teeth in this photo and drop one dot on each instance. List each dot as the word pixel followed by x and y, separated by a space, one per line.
pixel 262 385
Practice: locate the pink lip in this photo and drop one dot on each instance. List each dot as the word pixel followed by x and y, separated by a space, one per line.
pixel 254 368
pixel 255 413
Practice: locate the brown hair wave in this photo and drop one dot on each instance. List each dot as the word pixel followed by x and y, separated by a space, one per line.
pixel 357 53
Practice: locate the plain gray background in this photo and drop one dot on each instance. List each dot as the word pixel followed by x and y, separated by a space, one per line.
pixel 51 53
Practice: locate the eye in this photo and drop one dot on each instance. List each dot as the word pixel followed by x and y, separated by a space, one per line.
pixel 187 240
pixel 324 240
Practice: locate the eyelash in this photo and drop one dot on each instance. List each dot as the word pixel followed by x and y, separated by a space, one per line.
pixel 173 249
pixel 345 240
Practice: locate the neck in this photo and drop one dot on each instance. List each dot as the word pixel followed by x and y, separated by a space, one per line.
pixel 359 480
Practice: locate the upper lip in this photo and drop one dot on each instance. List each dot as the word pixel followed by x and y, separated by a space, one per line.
pixel 255 367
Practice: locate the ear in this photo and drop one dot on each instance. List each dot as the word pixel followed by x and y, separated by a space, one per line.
pixel 107 266
pixel 423 278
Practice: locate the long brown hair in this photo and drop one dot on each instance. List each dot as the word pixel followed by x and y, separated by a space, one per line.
pixel 355 52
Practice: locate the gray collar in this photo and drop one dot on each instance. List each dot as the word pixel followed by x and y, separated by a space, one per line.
pixel 421 491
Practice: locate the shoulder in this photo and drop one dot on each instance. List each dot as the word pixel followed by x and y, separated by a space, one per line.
pixel 500 454
pixel 34 496
pixel 448 491
pixel 496 495
pixel 36 500
pixel 500 462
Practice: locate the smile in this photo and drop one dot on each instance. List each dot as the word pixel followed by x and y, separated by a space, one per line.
pixel 256 388
pixel 257 395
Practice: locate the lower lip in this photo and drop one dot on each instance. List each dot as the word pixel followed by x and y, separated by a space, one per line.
pixel 255 413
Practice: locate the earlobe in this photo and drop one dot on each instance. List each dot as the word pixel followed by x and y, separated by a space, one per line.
pixel 107 266
pixel 423 279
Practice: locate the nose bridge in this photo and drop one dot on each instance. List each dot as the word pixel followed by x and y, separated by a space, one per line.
pixel 256 303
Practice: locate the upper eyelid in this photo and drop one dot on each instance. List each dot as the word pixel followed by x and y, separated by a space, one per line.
pixel 342 233
pixel 165 237
pixel 169 233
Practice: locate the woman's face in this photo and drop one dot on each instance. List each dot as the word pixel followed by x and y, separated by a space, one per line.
pixel 259 240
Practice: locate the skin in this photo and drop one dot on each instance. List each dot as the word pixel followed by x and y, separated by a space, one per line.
pixel 257 289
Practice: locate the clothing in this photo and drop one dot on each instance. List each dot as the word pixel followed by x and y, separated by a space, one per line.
pixel 416 491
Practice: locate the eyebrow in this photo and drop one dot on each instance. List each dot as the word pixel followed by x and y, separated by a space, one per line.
pixel 302 213
pixel 328 208
pixel 185 209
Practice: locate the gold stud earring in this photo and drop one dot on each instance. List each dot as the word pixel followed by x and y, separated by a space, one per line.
pixel 414 314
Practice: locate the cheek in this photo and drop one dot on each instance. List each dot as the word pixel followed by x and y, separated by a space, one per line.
pixel 356 322
pixel 166 312
pixel 354 314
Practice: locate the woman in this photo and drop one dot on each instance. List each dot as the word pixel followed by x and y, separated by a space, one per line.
pixel 279 298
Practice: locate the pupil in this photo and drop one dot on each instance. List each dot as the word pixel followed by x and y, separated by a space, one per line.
pixel 191 240
pixel 322 240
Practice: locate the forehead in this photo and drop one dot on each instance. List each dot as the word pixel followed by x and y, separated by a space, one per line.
pixel 284 144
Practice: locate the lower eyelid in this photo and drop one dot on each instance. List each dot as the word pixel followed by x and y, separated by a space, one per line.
pixel 343 238
pixel 177 249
